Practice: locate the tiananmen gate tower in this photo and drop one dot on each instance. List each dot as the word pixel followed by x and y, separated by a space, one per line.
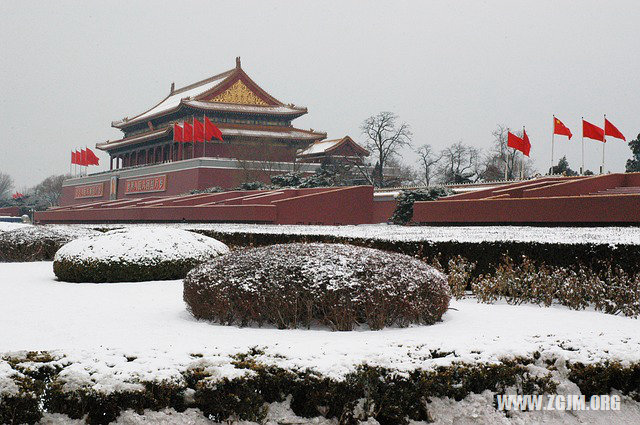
pixel 258 141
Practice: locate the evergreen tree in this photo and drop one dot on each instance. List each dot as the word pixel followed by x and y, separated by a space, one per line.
pixel 633 164
pixel 563 168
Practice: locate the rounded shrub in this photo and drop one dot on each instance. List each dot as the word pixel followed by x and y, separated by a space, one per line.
pixel 38 243
pixel 299 285
pixel 134 255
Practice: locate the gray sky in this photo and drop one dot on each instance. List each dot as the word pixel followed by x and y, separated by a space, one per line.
pixel 452 70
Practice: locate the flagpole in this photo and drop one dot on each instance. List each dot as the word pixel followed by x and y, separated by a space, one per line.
pixel 582 166
pixel 506 164
pixel 522 157
pixel 604 142
pixel 553 134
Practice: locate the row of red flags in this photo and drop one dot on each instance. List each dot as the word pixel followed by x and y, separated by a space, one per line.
pixel 84 157
pixel 17 195
pixel 198 132
pixel 589 130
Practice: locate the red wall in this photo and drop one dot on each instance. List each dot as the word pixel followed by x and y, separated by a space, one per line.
pixel 10 211
pixel 178 183
pixel 341 205
pixel 350 205
pixel 567 209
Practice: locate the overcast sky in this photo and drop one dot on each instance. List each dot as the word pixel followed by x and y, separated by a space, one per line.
pixel 452 70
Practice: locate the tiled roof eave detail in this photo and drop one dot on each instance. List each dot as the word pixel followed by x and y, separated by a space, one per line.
pixel 277 133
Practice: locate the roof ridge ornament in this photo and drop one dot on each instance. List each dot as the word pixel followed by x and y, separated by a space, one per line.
pixel 173 87
pixel 237 62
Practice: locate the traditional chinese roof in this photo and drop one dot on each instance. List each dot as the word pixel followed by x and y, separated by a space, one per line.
pixel 228 130
pixel 230 91
pixel 327 147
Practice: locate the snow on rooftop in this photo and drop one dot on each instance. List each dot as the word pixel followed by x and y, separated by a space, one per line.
pixel 293 134
pixel 173 100
pixel 278 109
pixel 320 147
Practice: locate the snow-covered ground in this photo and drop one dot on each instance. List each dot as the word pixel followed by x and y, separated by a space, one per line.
pixel 99 328
pixel 149 320
pixel 6 226
pixel 571 235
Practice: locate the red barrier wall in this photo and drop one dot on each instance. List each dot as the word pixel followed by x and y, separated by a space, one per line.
pixel 565 209
pixel 583 186
pixel 10 211
pixel 382 211
pixel 340 205
pixel 345 205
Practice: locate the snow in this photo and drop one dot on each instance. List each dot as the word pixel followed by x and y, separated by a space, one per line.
pixel 475 409
pixel 99 326
pixel 27 233
pixel 6 226
pixel 320 147
pixel 142 244
pixel 388 232
pixel 173 100
pixel 290 134
pixel 255 109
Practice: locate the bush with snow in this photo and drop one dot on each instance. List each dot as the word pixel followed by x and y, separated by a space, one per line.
pixel 37 243
pixel 134 255
pixel 297 285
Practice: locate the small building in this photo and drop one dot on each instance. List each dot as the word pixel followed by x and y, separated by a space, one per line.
pixel 337 150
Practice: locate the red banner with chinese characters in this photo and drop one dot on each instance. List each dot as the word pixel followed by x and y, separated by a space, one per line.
pixel 146 184
pixel 89 191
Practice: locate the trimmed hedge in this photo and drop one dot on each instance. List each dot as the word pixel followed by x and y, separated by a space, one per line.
pixel 134 255
pixel 485 255
pixel 383 394
pixel 121 271
pixel 297 285
pixel 37 243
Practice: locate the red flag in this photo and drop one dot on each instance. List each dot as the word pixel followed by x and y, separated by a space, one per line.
pixel 73 157
pixel 92 159
pixel 83 157
pixel 592 131
pixel 198 131
pixel 177 133
pixel 78 158
pixel 187 135
pixel 526 145
pixel 515 142
pixel 560 128
pixel 211 131
pixel 611 130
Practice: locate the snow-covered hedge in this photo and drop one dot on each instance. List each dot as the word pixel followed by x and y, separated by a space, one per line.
pixel 38 243
pixel 298 285
pixel 612 290
pixel 243 388
pixel 134 254
pixel 486 251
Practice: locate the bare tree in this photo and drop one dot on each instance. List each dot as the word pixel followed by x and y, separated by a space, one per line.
pixel 384 139
pixel 6 184
pixel 49 190
pixel 428 161
pixel 460 164
pixel 502 153
pixel 400 174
